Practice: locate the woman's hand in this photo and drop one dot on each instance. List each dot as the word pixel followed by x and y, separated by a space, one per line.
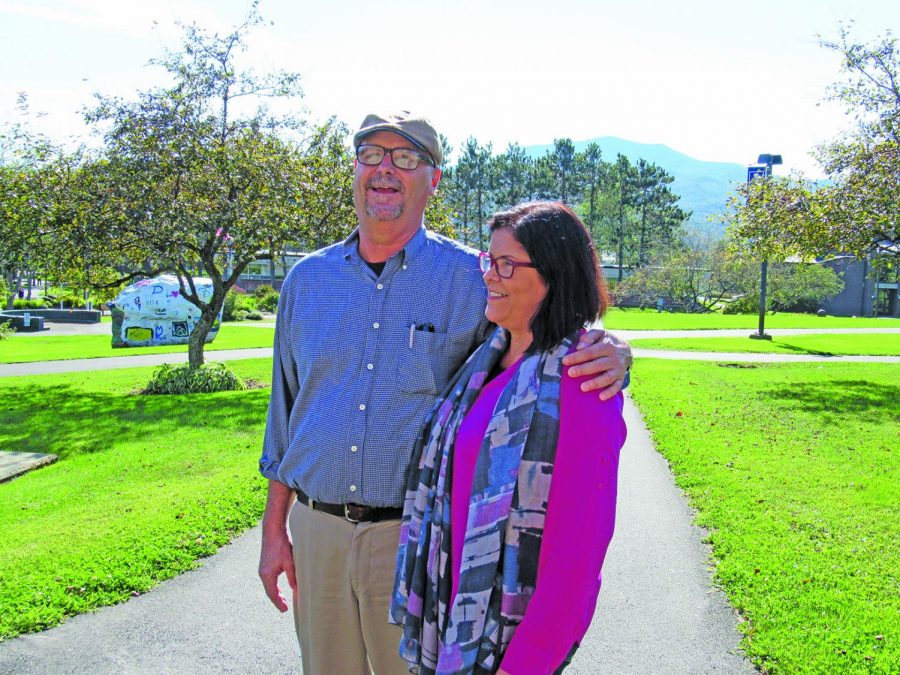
pixel 602 354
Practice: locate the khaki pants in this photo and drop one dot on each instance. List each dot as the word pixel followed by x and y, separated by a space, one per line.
pixel 345 575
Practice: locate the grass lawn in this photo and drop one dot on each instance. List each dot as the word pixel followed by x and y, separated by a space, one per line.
pixel 143 488
pixel 650 319
pixel 794 469
pixel 826 345
pixel 25 348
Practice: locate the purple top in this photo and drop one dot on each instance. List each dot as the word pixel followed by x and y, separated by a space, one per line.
pixel 581 515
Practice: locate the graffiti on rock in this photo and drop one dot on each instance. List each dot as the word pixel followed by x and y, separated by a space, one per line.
pixel 152 312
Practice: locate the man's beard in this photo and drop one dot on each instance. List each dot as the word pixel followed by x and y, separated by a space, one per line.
pixel 385 213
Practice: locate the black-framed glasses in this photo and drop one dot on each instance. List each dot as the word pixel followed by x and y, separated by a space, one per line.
pixel 504 266
pixel 403 158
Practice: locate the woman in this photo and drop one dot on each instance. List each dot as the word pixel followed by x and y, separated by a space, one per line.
pixel 510 503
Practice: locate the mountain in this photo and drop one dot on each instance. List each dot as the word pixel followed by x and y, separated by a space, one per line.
pixel 704 187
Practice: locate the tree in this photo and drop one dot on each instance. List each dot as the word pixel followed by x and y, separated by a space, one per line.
pixel 23 157
pixel 694 278
pixel 14 229
pixel 473 190
pixel 620 188
pixel 658 214
pixel 512 169
pixel 591 167
pixel 697 277
pixel 856 210
pixel 800 286
pixel 196 182
pixel 563 166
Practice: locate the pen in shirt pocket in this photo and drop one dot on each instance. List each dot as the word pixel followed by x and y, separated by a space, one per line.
pixel 424 327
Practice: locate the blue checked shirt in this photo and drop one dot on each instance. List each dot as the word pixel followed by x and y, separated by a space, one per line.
pixel 351 383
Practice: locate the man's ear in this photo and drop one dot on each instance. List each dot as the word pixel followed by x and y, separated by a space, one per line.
pixel 435 178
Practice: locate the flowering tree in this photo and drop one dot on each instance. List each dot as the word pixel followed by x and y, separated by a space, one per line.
pixel 186 184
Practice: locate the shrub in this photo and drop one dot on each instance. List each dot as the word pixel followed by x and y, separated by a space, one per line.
pixel 68 300
pixel 254 315
pixel 263 290
pixel 182 379
pixel 34 303
pixel 268 303
pixel 745 304
pixel 6 329
pixel 237 306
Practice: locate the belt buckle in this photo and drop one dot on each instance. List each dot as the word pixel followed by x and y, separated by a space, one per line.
pixel 347 514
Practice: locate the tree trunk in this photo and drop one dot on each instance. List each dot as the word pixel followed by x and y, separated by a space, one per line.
pixel 198 337
pixel 12 288
pixel 480 217
pixel 621 255
pixel 466 218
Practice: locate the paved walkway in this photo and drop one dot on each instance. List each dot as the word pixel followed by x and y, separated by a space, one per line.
pixel 14 464
pixel 54 329
pixel 751 357
pixel 745 332
pixel 135 361
pixel 658 610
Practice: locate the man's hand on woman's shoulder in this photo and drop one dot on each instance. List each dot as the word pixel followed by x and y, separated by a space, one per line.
pixel 603 355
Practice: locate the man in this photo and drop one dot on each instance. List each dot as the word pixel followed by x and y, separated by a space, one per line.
pixel 369 331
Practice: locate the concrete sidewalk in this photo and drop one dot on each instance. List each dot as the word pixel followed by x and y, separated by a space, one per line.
pixel 14 464
pixel 745 332
pixel 137 361
pixel 134 361
pixel 658 611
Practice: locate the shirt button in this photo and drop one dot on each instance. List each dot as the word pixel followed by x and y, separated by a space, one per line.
pixel 362 406
pixel 380 286
pixel 404 267
pixel 352 488
pixel 370 366
pixel 353 448
pixel 376 325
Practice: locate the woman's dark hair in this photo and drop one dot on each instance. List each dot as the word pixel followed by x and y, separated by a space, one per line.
pixel 561 248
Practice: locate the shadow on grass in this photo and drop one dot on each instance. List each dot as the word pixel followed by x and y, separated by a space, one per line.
pixel 797 349
pixel 870 400
pixel 69 421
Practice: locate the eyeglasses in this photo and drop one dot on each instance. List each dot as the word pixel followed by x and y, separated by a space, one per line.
pixel 504 266
pixel 403 158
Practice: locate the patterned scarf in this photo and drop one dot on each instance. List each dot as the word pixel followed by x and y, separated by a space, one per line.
pixel 505 525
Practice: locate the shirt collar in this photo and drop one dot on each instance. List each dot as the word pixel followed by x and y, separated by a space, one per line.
pixel 418 241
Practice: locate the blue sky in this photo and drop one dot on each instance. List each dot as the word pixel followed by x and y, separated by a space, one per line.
pixel 716 80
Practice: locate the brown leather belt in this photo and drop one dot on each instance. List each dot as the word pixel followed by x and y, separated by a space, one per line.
pixel 355 513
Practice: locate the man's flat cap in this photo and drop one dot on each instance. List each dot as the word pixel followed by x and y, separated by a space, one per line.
pixel 414 128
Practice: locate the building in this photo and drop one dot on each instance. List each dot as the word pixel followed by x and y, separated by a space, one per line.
pixel 866 292
pixel 271 272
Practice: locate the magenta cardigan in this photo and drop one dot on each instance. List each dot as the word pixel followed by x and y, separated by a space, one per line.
pixel 581 515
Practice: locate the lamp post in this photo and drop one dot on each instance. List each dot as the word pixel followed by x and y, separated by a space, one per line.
pixel 767 161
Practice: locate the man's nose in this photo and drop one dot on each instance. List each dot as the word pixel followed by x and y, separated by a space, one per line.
pixel 387 162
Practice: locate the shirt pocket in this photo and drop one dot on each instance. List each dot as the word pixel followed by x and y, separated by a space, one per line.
pixel 424 365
